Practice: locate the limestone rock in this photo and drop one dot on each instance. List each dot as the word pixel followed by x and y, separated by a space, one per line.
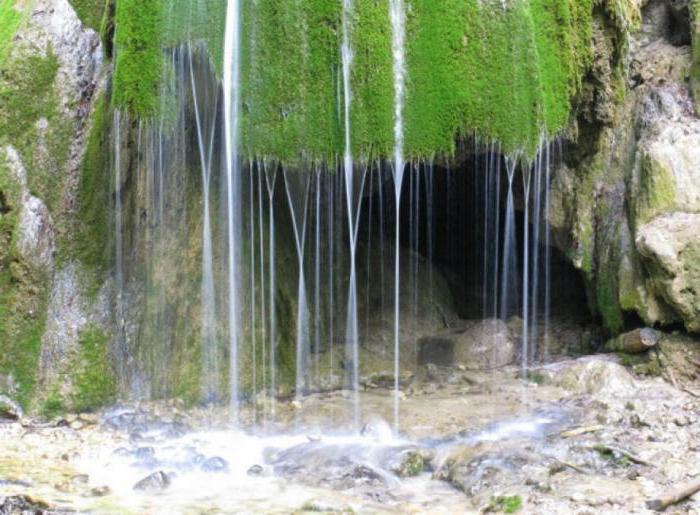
pixel 670 245
pixel 590 375
pixel 486 345
pixel 36 235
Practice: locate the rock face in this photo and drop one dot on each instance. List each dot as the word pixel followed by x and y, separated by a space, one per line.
pixel 630 185
pixel 670 245
pixel 36 235
pixel 50 77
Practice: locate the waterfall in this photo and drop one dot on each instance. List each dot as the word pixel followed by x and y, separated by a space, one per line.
pixel 297 186
pixel 205 145
pixel 527 179
pixel 317 278
pixel 398 34
pixel 263 305
pixel 352 337
pixel 270 180
pixel 118 242
pixel 253 307
pixel 508 271
pixel 231 85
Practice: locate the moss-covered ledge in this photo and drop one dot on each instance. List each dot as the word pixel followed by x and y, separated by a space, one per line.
pixel 507 71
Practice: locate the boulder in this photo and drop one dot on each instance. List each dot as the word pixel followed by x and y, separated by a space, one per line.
pixel 9 410
pixel 590 375
pixel 156 482
pixel 486 345
pixel 670 247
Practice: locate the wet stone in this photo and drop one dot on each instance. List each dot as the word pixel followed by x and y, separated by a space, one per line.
pixel 23 504
pixel 100 491
pixel 215 464
pixel 256 470
pixel 156 482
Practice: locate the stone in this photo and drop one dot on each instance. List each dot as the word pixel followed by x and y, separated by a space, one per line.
pixel 409 463
pixel 486 345
pixel 215 464
pixel 256 470
pixel 100 491
pixel 23 504
pixel 590 375
pixel 670 247
pixel 9 410
pixel 156 482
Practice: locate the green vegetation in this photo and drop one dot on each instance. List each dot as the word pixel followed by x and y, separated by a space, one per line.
pixel 10 19
pixel 472 66
pixel 90 12
pixel 93 223
pixel 26 95
pixel 93 378
pixel 138 64
pixel 52 406
pixel 505 504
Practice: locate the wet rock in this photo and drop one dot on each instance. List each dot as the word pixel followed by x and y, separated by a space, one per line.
pixel 483 469
pixel 23 504
pixel 156 482
pixel 9 410
pixel 486 345
pixel 145 453
pixel 340 467
pixel 214 464
pixel 591 375
pixel 100 491
pixel 256 470
pixel 410 463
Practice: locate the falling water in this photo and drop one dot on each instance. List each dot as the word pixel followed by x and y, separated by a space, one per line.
pixel 317 278
pixel 231 84
pixel 527 179
pixel 508 271
pixel 352 337
pixel 210 379
pixel 263 305
pixel 297 186
pixel 253 307
pixel 270 180
pixel 118 237
pixel 548 257
pixel 398 32
pixel 536 248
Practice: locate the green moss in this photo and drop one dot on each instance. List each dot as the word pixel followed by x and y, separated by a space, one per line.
pixel 52 406
pixel 10 19
pixel 138 63
pixel 93 378
pixel 505 504
pixel 90 12
pixel 88 242
pixel 657 190
pixel 507 74
pixel 472 66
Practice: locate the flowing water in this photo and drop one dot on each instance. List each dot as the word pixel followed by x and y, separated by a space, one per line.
pixel 232 100
pixel 397 16
pixel 295 300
